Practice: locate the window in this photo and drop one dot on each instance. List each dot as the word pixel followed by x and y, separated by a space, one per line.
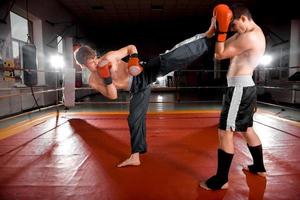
pixel 20 29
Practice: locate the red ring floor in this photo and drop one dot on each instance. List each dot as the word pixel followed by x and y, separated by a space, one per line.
pixel 76 157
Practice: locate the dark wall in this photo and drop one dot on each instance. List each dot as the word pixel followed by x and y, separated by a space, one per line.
pixel 156 36
pixel 151 38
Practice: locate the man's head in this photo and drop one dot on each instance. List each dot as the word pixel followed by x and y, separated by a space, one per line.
pixel 86 57
pixel 241 18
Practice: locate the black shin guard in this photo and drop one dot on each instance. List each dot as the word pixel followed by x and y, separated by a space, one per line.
pixel 224 162
pixel 258 163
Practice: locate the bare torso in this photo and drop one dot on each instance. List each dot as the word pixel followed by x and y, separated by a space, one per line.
pixel 119 72
pixel 246 62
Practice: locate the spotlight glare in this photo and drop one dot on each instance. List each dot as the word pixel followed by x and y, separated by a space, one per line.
pixel 160 78
pixel 160 98
pixel 57 61
pixel 266 60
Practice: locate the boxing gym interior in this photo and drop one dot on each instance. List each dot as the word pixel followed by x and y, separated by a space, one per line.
pixel 62 139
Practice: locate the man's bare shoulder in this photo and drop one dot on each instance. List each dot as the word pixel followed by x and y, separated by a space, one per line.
pixel 256 36
pixel 109 56
pixel 250 37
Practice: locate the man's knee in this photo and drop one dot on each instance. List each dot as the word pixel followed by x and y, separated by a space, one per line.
pixel 224 134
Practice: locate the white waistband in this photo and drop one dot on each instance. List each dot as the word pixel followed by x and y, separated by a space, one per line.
pixel 243 81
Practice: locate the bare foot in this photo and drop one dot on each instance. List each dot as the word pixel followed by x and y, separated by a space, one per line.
pixel 262 174
pixel 203 185
pixel 133 160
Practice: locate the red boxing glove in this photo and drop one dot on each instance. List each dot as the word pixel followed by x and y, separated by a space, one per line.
pixel 223 16
pixel 103 69
pixel 134 67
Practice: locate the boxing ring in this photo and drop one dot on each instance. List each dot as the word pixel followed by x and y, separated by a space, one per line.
pixel 67 154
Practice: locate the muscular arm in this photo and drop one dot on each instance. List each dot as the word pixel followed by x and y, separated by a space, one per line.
pixel 109 91
pixel 234 46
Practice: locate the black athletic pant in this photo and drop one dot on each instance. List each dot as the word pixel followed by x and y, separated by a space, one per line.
pixel 180 56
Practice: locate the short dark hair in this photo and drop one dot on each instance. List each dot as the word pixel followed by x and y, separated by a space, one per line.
pixel 239 10
pixel 84 53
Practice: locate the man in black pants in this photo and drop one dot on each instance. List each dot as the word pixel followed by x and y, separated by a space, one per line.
pixel 110 72
pixel 245 48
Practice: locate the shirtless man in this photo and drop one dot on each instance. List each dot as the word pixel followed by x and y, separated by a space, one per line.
pixel 245 49
pixel 110 73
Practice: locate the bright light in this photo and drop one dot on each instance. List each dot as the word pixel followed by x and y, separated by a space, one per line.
pixel 266 60
pixel 57 61
pixel 160 98
pixel 160 78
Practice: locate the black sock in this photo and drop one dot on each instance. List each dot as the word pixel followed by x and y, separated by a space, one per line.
pixel 224 162
pixel 258 162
